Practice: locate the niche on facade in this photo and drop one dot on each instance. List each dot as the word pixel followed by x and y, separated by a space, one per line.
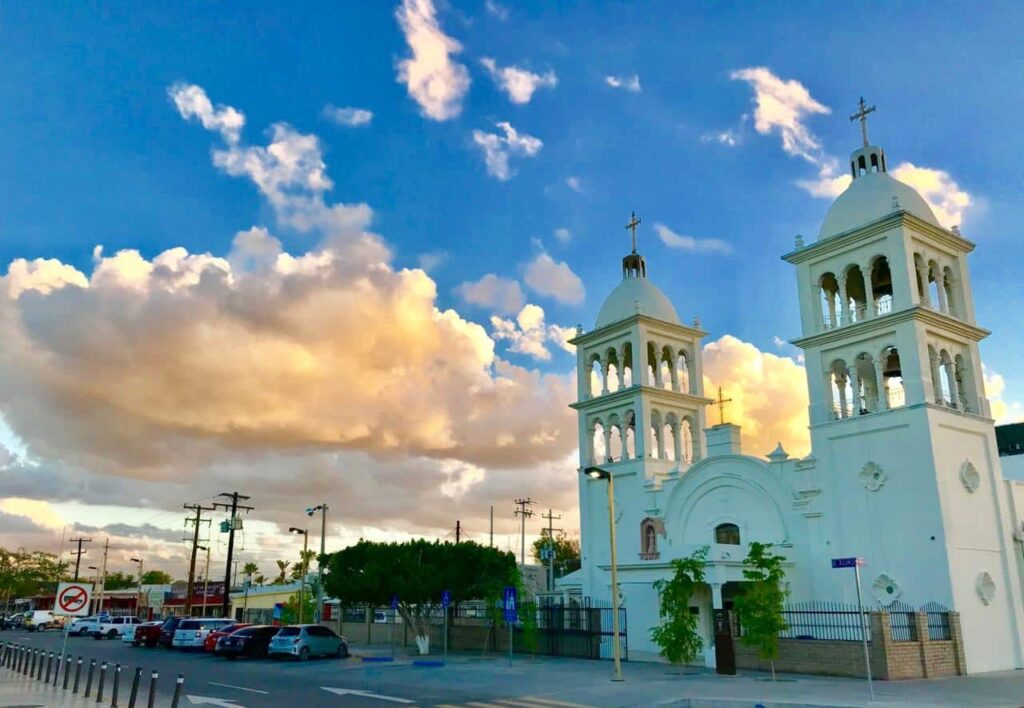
pixel 650 529
pixel 986 587
pixel 885 589
pixel 970 477
pixel 873 476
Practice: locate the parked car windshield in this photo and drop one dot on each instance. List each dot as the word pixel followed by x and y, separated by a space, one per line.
pixel 189 624
pixel 289 632
pixel 247 632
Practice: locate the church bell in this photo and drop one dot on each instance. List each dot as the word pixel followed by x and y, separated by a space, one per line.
pixel 892 365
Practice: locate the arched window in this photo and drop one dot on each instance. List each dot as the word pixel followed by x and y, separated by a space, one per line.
pixel 612 370
pixel 892 378
pixel 599 450
pixel 855 294
pixel 686 433
pixel 683 372
pixel 952 296
pixel 596 375
pixel 829 286
pixel 965 384
pixel 881 286
pixel 934 274
pixel 615 451
pixel 728 534
pixel 627 364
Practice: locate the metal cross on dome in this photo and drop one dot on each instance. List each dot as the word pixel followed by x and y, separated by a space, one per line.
pixel 720 402
pixel 634 221
pixel 862 115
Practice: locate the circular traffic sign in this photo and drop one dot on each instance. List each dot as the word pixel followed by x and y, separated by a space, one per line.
pixel 72 598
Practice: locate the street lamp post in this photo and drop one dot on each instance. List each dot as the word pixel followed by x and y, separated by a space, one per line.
pixel 598 473
pixel 206 578
pixel 322 508
pixel 138 598
pixel 305 566
pixel 95 580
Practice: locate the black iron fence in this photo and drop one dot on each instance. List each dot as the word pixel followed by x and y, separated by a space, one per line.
pixel 902 622
pixel 938 621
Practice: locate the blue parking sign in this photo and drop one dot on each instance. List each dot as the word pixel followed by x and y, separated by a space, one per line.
pixel 509 605
pixel 446 599
pixel 394 602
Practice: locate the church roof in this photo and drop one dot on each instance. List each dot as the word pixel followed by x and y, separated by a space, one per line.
pixel 870 197
pixel 636 295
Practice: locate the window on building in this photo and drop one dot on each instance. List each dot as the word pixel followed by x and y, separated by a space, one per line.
pixel 728 534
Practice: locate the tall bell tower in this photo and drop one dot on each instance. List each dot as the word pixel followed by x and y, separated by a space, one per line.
pixel 900 424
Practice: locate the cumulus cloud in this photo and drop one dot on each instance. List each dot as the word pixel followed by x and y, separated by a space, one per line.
pixel 433 79
pixel 529 334
pixel 939 189
pixel 1003 411
pixel 497 149
pixel 348 117
pixel 502 295
pixel 520 84
pixel 769 395
pixel 629 83
pixel 563 235
pixel 554 279
pixel 729 138
pixel 688 243
pixel 192 102
pixel 42 275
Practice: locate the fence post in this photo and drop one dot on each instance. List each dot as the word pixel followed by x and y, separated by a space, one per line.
pixel 135 687
pixel 88 678
pixel 117 682
pixel 177 690
pixel 921 629
pixel 39 673
pixel 103 676
pixel 152 689
pixel 956 635
pixel 32 663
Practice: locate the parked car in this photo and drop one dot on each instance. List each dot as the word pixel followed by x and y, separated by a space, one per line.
pixel 305 640
pixel 128 635
pixel 191 633
pixel 251 641
pixel 81 626
pixel 168 629
pixel 210 643
pixel 113 627
pixel 41 620
pixel 148 633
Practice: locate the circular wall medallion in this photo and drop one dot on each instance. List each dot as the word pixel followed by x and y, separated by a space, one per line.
pixel 970 477
pixel 885 589
pixel 873 476
pixel 986 587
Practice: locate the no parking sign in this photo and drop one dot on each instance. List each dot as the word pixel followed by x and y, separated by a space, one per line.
pixel 73 599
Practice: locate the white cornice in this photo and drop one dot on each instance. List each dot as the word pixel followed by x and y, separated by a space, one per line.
pixel 877 325
pixel 671 327
pixel 652 392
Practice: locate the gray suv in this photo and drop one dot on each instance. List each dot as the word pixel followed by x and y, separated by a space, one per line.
pixel 305 640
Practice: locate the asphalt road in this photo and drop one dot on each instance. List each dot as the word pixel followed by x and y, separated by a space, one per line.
pixel 255 683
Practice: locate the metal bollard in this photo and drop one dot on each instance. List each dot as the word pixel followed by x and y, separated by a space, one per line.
pixel 88 678
pixel 17 660
pixel 103 676
pixel 27 659
pixel 177 690
pixel 135 688
pixel 117 682
pixel 39 675
pixel 78 674
pixel 152 689
pixel 32 663
pixel 49 666
pixel 67 670
pixel 56 668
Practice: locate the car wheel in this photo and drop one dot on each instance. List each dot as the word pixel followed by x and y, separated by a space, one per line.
pixel 112 634
pixel 342 652
pixel 97 636
pixel 304 654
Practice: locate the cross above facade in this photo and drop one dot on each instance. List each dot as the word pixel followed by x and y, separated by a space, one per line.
pixel 862 115
pixel 634 221
pixel 720 402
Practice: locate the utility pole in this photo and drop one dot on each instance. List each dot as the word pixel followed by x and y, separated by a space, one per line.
pixel 492 525
pixel 523 512
pixel 79 552
pixel 233 521
pixel 551 546
pixel 458 531
pixel 103 575
pixel 190 590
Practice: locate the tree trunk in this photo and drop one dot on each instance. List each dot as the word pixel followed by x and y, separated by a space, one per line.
pixel 772 662
pixel 420 626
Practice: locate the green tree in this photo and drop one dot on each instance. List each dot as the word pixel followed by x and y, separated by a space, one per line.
pixel 677 636
pixel 567 551
pixel 301 569
pixel 417 572
pixel 250 569
pixel 282 576
pixel 290 611
pixel 760 607
pixel 119 581
pixel 27 573
pixel 156 577
pixel 259 579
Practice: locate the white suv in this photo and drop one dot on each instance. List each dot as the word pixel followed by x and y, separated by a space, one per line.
pixel 113 627
pixel 191 633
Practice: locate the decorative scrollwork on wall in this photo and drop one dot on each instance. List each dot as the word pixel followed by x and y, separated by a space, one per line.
pixel 986 587
pixel 885 589
pixel 873 476
pixel 970 477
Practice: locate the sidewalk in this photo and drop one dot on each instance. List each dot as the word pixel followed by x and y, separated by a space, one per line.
pixel 22 692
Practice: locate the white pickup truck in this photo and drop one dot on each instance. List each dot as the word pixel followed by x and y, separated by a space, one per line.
pixel 112 627
pixel 82 626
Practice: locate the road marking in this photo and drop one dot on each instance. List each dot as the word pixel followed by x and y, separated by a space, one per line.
pixel 364 694
pixel 552 702
pixel 207 700
pixel 240 688
pixel 523 703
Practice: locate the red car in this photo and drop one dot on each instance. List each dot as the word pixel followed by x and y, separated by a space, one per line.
pixel 147 633
pixel 210 643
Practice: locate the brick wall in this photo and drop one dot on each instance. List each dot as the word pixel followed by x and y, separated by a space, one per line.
pixel 890 660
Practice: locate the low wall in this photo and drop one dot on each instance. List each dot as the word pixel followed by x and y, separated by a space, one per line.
pixel 890 660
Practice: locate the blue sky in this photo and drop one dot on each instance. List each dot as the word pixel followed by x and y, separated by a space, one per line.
pixel 94 151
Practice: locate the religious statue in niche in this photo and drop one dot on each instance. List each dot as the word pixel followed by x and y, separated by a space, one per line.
pixel 650 529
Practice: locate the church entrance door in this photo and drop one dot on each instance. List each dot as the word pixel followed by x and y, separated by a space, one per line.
pixel 725 653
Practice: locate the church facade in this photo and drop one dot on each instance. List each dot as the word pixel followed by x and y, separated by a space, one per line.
pixel 904 470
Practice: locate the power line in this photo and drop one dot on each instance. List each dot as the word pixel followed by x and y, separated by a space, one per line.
pixel 198 509
pixel 233 522
pixel 78 553
pixel 523 512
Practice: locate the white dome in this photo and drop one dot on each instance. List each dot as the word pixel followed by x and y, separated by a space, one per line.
pixel 869 197
pixel 633 293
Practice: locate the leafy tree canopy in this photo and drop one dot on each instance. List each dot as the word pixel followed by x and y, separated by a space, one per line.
pixel 156 577
pixel 678 636
pixel 119 581
pixel 567 551
pixel 23 573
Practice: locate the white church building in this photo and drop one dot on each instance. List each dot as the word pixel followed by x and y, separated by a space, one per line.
pixel 903 471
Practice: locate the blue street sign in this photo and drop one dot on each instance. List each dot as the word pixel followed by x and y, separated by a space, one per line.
pixel 394 602
pixel 446 599
pixel 509 604
pixel 847 562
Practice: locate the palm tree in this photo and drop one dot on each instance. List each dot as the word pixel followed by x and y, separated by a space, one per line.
pixel 250 569
pixel 301 570
pixel 259 579
pixel 282 577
